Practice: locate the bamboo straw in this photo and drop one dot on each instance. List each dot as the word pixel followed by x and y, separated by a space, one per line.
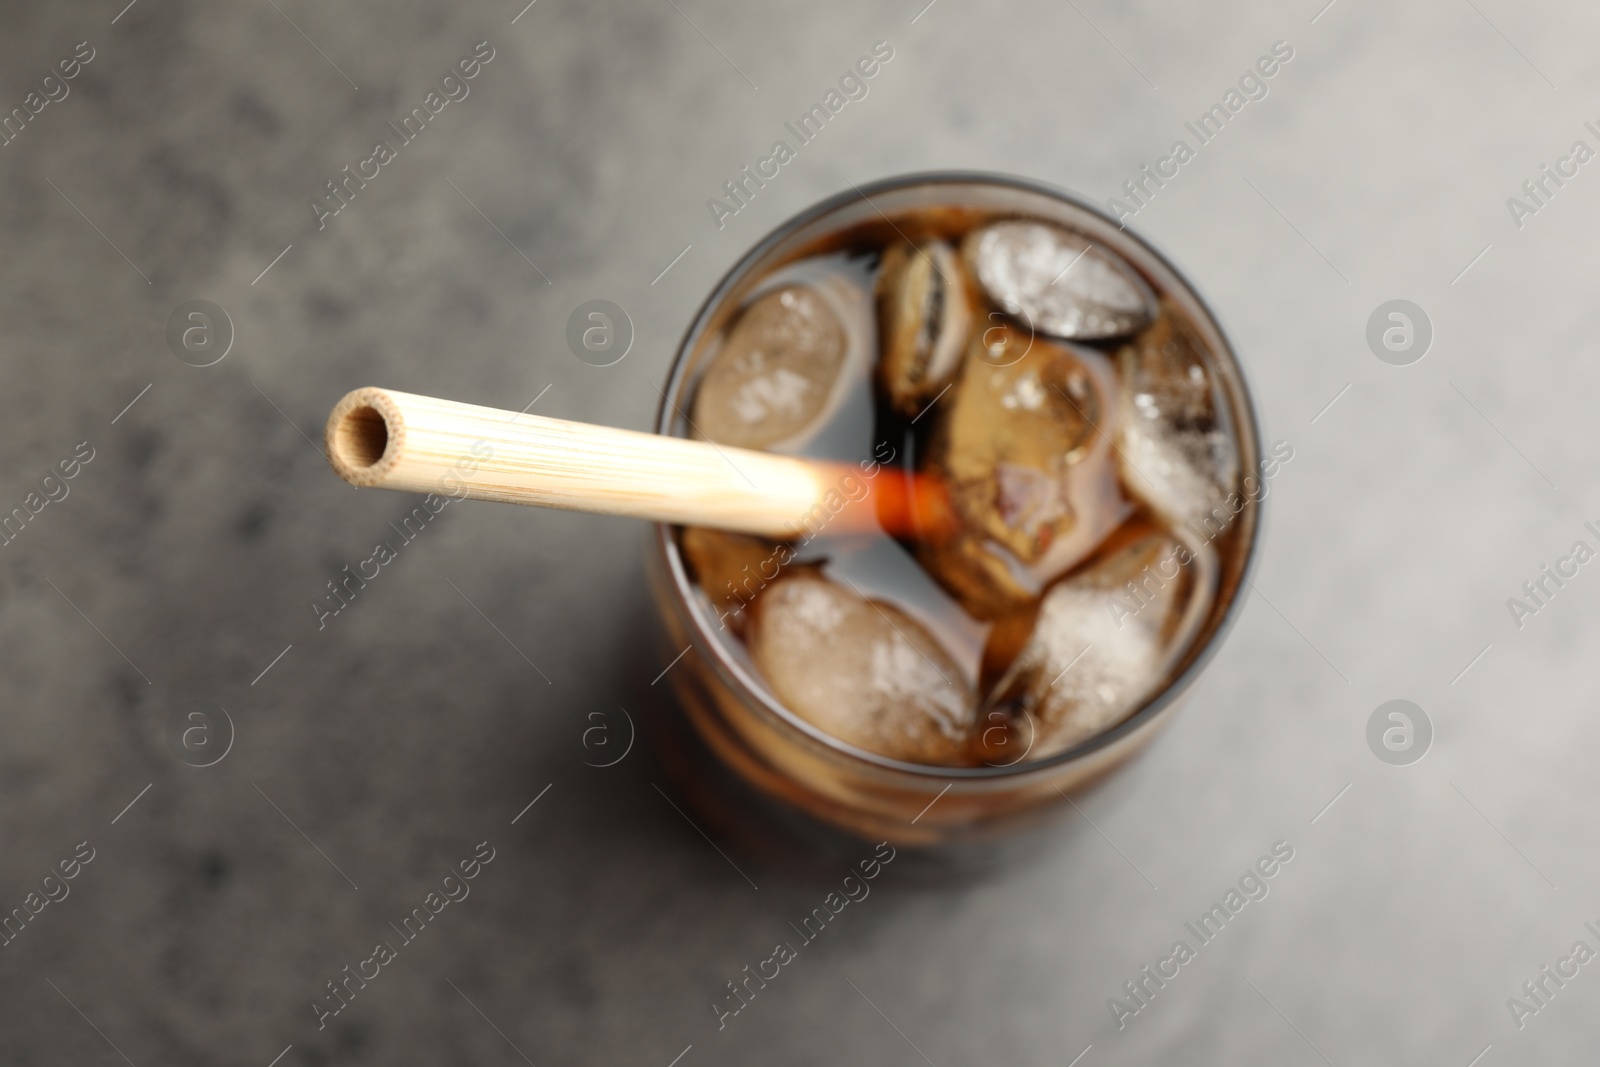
pixel 392 440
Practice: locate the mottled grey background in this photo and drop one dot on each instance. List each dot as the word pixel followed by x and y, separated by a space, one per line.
pixel 409 729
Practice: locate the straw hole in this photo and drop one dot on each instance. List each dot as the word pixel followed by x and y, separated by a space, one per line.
pixel 363 436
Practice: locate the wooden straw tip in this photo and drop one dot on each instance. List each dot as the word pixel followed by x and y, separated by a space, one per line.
pixel 363 436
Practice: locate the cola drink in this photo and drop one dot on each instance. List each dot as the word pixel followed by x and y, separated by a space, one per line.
pixel 1085 427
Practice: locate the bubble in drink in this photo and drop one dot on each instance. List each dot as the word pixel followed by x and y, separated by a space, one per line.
pixel 864 671
pixel 1177 444
pixel 1058 282
pixel 924 314
pixel 1020 448
pixel 1102 642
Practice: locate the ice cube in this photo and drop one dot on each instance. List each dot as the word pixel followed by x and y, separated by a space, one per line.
pixel 861 670
pixel 1104 639
pixel 1058 281
pixel 1022 444
pixel 1176 445
pixel 774 372
pixel 924 313
pixel 793 356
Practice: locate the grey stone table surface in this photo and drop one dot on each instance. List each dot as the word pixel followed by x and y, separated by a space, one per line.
pixel 1386 160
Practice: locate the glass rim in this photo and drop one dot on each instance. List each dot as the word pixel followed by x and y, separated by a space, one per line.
pixel 750 688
